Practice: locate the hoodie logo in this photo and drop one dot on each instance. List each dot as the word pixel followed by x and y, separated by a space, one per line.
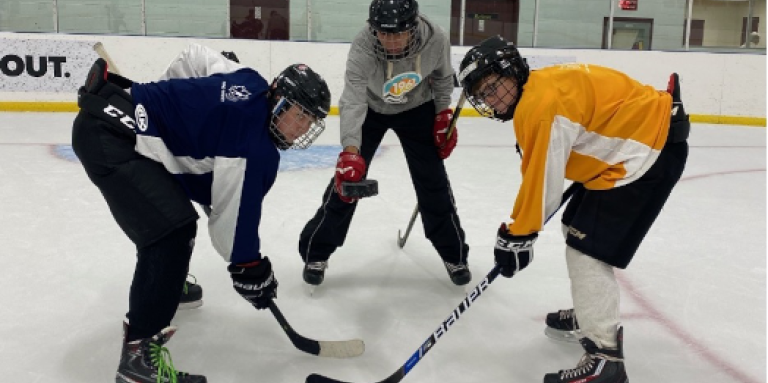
pixel 394 91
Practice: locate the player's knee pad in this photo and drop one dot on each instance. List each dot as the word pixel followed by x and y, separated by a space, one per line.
pixel 174 247
pixel 581 265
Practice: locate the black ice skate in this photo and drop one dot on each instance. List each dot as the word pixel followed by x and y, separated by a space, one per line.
pixel 191 296
pixel 147 361
pixel 314 272
pixel 459 273
pixel 563 326
pixel 596 366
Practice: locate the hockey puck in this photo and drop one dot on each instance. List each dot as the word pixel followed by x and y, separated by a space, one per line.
pixel 362 189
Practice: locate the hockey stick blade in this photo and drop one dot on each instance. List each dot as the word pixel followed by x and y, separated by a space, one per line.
pixel 325 348
pixel 401 239
pixel 317 378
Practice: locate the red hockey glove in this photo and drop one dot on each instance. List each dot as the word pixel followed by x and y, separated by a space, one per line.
pixel 444 143
pixel 350 167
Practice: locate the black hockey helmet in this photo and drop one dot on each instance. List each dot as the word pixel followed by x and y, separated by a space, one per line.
pixel 393 17
pixel 492 56
pixel 230 56
pixel 299 85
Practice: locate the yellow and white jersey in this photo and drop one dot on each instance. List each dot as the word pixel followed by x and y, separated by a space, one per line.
pixel 586 123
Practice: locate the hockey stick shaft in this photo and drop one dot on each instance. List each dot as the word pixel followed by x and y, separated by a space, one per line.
pixel 304 344
pixel 333 349
pixel 459 105
pixel 398 375
pixel 102 52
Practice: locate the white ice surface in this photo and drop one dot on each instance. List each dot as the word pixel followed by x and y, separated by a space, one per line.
pixel 693 300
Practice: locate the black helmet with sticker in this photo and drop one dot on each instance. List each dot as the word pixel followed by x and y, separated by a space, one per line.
pixel 492 56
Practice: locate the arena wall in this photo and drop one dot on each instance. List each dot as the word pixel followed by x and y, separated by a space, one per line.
pixel 41 72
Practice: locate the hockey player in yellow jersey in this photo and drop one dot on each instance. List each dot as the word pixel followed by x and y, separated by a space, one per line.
pixel 624 145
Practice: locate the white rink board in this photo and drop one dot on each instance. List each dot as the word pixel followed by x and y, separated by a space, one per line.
pixel 713 84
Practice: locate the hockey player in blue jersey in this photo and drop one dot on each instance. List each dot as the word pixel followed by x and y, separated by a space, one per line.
pixel 211 138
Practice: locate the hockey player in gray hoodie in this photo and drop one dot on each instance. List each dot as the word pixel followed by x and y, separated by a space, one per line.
pixel 398 77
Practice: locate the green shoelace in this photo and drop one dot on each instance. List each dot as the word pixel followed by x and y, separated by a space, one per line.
pixel 186 284
pixel 161 359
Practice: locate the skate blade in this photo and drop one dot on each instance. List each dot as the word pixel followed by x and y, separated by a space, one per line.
pixel 310 289
pixel 563 336
pixel 190 305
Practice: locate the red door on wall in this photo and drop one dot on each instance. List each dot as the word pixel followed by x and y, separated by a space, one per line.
pixel 755 24
pixel 259 19
pixel 485 18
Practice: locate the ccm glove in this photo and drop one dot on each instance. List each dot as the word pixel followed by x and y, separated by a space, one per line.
pixel 255 282
pixel 513 253
pixel 350 167
pixel 444 143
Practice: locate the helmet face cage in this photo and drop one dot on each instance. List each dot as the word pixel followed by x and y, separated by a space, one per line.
pixel 493 88
pixel 405 43
pixel 482 74
pixel 291 116
pixel 393 25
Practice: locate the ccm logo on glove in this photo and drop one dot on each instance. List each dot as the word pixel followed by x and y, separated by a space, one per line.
pixel 513 253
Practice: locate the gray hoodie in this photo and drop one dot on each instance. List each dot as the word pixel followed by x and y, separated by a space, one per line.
pixel 409 82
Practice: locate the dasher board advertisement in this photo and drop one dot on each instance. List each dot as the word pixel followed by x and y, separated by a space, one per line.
pixel 40 65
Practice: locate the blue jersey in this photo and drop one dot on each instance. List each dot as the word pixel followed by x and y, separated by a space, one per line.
pixel 212 133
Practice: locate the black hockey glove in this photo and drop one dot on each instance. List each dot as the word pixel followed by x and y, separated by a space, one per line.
pixel 255 282
pixel 513 253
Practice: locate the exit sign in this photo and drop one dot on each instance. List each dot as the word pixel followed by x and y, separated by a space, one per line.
pixel 628 5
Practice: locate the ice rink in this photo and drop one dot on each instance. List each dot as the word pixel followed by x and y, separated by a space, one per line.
pixel 693 300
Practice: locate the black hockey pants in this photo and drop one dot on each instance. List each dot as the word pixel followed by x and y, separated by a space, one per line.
pixel 609 225
pixel 147 202
pixel 326 231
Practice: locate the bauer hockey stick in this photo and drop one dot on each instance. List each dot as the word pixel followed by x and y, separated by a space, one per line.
pixel 398 375
pixel 324 348
pixel 459 105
